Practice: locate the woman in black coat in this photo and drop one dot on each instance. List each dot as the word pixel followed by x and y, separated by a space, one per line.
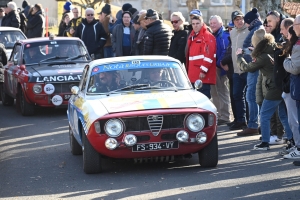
pixel 36 22
pixel 178 41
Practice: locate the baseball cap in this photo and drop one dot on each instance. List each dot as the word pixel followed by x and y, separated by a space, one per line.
pixel 236 13
pixel 196 12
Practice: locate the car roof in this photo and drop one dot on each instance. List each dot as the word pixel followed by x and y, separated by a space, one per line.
pixel 42 39
pixel 4 28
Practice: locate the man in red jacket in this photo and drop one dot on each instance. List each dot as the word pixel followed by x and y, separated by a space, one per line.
pixel 201 56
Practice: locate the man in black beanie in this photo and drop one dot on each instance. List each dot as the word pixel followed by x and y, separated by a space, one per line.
pixel 125 8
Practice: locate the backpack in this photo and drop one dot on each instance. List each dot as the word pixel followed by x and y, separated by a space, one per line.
pixel 295 83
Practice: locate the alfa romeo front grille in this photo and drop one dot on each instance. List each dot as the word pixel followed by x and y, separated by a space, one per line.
pixel 155 123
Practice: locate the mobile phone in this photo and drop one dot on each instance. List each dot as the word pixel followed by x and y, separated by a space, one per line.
pixel 271 58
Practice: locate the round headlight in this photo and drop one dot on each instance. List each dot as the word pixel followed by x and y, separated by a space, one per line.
pixel 111 143
pixel 37 89
pixel 130 140
pixel 195 122
pixel 113 127
pixel 201 137
pixel 182 136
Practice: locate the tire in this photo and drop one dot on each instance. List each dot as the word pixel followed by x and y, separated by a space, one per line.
pixel 76 149
pixel 26 108
pixel 91 158
pixel 208 157
pixel 6 99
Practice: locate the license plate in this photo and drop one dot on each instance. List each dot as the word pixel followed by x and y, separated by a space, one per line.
pixel 155 146
pixel 67 96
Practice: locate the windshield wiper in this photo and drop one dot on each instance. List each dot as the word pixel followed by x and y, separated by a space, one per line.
pixel 131 87
pixel 75 57
pixel 53 58
pixel 149 87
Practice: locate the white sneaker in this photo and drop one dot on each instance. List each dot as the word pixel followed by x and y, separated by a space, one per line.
pixel 293 155
pixel 287 150
pixel 275 140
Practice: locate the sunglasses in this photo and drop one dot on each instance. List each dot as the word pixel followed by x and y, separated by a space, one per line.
pixel 90 15
pixel 175 21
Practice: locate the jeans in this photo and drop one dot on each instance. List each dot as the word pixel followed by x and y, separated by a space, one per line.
pixel 284 120
pixel 291 107
pixel 205 89
pixel 251 99
pixel 108 52
pixel 239 85
pixel 298 110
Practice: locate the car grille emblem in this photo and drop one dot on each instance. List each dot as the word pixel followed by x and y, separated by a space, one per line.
pixel 155 123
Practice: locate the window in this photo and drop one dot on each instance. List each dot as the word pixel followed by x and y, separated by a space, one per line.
pixel 221 2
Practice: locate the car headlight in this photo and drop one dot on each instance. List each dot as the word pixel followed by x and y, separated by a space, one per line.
pixel 111 143
pixel 113 127
pixel 37 89
pixel 182 136
pixel 130 140
pixel 195 122
pixel 201 137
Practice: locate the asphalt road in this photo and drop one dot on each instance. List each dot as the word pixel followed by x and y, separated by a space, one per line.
pixel 36 163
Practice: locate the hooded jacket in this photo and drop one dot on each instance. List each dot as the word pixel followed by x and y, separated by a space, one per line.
pixel 201 56
pixel 93 35
pixel 261 61
pixel 237 37
pixel 157 38
pixel 36 25
pixel 12 19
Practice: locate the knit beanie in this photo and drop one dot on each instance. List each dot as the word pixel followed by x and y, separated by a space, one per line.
pixel 67 6
pixel 251 16
pixel 106 9
pixel 127 12
pixel 258 36
pixel 126 6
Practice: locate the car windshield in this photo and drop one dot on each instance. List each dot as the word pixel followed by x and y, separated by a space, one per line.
pixel 137 76
pixel 9 38
pixel 49 51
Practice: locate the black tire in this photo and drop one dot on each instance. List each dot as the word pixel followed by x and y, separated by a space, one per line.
pixel 91 158
pixel 6 99
pixel 26 108
pixel 76 149
pixel 209 156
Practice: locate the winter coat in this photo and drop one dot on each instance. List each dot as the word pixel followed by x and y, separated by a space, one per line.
pixel 261 61
pixel 292 64
pixel 201 56
pixel 134 45
pixel 74 23
pixel 118 21
pixel 35 25
pixel 12 19
pixel 227 60
pixel 276 32
pixel 237 37
pixel 93 35
pixel 140 41
pixel 281 76
pixel 178 43
pixel 105 24
pixel 117 38
pixel 157 38
pixel 62 25
pixel 26 7
pixel 222 44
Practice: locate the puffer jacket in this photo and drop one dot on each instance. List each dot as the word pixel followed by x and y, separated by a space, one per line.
pixel 261 61
pixel 178 43
pixel 222 44
pixel 157 39
pixel 12 19
pixel 35 25
pixel 93 35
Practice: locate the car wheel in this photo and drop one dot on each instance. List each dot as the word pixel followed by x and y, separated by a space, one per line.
pixel 26 108
pixel 208 157
pixel 6 99
pixel 76 149
pixel 91 158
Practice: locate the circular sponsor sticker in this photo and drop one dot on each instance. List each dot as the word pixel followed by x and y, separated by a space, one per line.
pixel 57 100
pixel 95 69
pixel 49 89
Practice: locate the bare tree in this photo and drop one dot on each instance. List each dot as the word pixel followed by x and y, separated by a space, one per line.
pixel 89 3
pixel 265 6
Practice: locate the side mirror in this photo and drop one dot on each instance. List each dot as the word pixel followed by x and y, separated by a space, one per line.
pixel 198 84
pixel 75 90
pixel 15 61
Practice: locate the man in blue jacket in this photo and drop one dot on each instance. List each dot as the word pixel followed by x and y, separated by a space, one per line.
pixel 92 33
pixel 220 91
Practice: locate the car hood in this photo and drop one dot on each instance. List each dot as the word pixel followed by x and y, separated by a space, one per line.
pixel 157 100
pixel 56 72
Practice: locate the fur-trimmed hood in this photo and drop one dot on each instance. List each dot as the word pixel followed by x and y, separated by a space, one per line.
pixel 267 44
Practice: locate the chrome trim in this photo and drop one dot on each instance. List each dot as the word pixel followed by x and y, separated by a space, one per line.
pixel 155 123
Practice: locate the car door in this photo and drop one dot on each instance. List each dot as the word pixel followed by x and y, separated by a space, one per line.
pixel 11 69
